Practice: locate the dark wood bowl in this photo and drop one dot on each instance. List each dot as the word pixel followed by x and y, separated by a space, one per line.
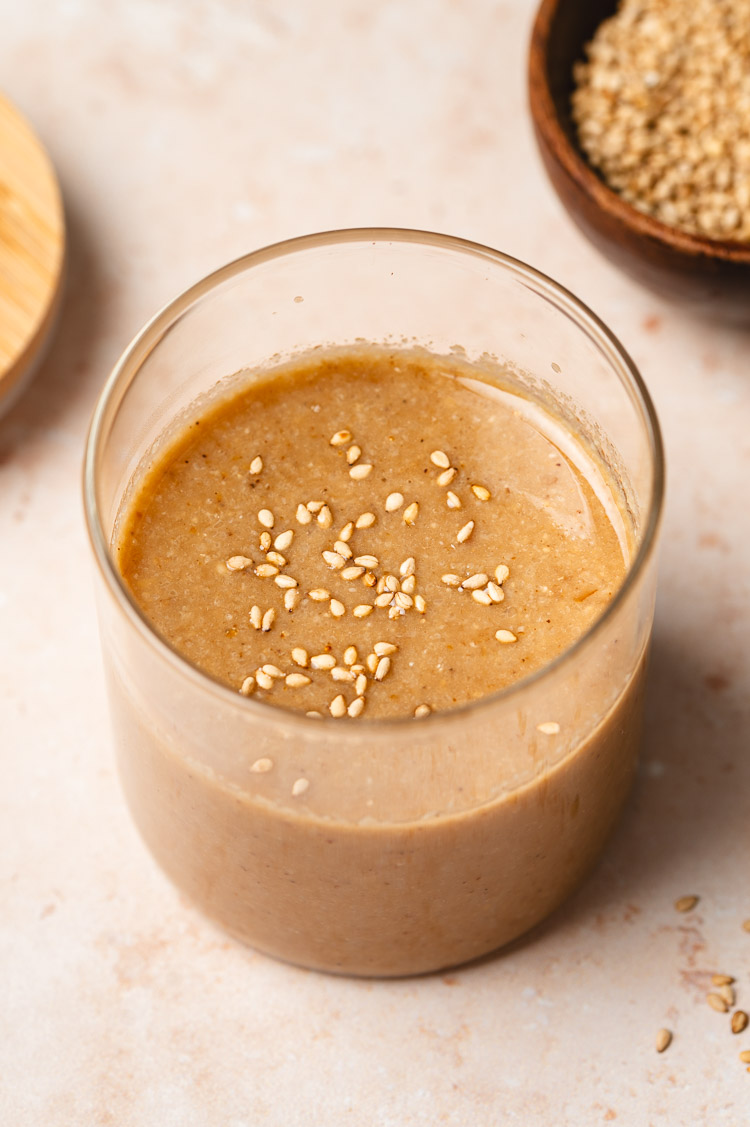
pixel 712 275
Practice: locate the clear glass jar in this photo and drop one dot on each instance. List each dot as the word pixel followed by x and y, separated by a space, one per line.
pixel 443 839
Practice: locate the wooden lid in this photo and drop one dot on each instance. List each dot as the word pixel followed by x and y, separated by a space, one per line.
pixel 32 250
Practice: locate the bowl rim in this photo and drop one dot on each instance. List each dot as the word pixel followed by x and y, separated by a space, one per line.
pixel 547 121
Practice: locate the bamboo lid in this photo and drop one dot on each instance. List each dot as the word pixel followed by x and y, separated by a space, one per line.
pixel 32 251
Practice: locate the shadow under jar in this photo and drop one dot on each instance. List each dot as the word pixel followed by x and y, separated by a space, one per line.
pixel 418 844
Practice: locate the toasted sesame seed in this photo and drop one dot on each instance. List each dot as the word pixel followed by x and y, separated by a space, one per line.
pixel 340 674
pixel 272 671
pixel 299 787
pixel 350 573
pixel 284 540
pixel 746 925
pixel 303 515
pixel 337 608
pixel 548 728
pixel 264 679
pixel 384 599
pixel 408 567
pixel 481 597
pixel 474 581
pixel 686 903
pixel 313 714
pixel 366 520
pixel 319 595
pixel 299 656
pixel 422 710
pixel 507 636
pixel 395 612
pixel 266 570
pixel 357 707
pixel 369 579
pixel 383 649
pixel 481 493
pixel 446 477
pixel 391 583
pixel 360 472
pixel 402 600
pixel 411 513
pixel 366 561
pixel 285 581
pixel 247 686
pixel 337 707
pixel 291 598
pixel 451 580
pixel 341 437
pixel 325 517
pixel 322 661
pixel 265 516
pixel 346 531
pixel 268 620
pixel 350 655
pixel 371 661
pixel 721 980
pixel 256 465
pixel 261 766
pixel 276 558
pixel 452 500
pixel 256 617
pixel 393 501
pixel 343 549
pixel 333 559
pixel 265 541
pixel 495 592
pixel 360 685
pixel 408 585
pixel 382 668
pixel 663 1040
pixel 502 571
pixel 238 563
pixel 352 454
pixel 438 458
pixel 420 603
pixel 727 993
pixel 315 506
pixel 362 610
pixel 464 533
pixel 716 1002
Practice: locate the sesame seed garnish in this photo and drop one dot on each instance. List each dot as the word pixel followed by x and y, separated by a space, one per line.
pixel 266 570
pixel 291 598
pixel 739 1021
pixel 384 599
pixel 507 636
pixel 502 571
pixel 350 655
pixel 451 580
pixel 446 477
pixel 716 1002
pixel 340 674
pixel 481 493
pixel 350 573
pixel 663 1040
pixel 343 549
pixel 346 531
pixel 276 558
pixel 686 903
pixel 272 671
pixel 727 993
pixel 337 707
pixel 356 708
pixel 474 581
pixel 438 458
pixel 299 656
pixel 402 600
pixel 265 516
pixel 745 1056
pixel 296 680
pixel 408 585
pixel 548 728
pixel 381 669
pixel 337 609
pixel 256 617
pixel 393 501
pixel 265 541
pixel 464 533
pixel 411 513
pixel 268 620
pixel 452 501
pixel 746 925
pixel 238 563
pixel 362 610
pixel 721 980
pixel 367 520
pixel 303 515
pixel 299 787
pixel 420 603
pixel 265 680
pixel 366 561
pixel 391 583
pixel 341 437
pixel 313 714
pixel 256 465
pixel 261 766
pixel 284 540
pixel 333 559
pixel 408 567
pixel 247 686
pixel 315 506
pixel 422 710
pixel 481 597
pixel 369 579
pixel 383 649
pixel 360 472
pixel 360 685
pixel 325 517
pixel 371 661
pixel 395 612
pixel 323 661
pixel 319 595
pixel 495 592
pixel 352 454
pixel 285 581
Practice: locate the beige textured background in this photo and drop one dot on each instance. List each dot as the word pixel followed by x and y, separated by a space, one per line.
pixel 186 133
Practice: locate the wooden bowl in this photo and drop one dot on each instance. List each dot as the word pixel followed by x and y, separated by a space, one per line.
pixel 712 275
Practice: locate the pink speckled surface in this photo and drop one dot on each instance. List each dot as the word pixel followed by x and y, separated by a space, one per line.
pixel 186 133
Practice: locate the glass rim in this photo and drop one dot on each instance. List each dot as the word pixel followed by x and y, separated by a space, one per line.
pixel 149 336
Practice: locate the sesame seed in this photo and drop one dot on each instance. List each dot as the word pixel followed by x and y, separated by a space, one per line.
pixel 343 549
pixel 549 728
pixel 686 903
pixel 238 563
pixel 265 541
pixel 299 656
pixel 360 685
pixel 367 520
pixel 346 532
pixel 352 454
pixel 446 477
pixel 264 679
pixel 319 595
pixel 452 501
pixel 420 604
pixel 451 580
pixel 303 515
pixel 739 1021
pixel 265 516
pixel 409 584
pixel 746 925
pixel 411 513
pixel 408 567
pixel 350 573
pixel 360 472
pixel 495 592
pixel 268 620
pixel 402 600
pixel 663 1040
pixel 716 1002
pixel 745 1056
pixel 284 540
pixel 383 649
pixel 438 458
pixel 391 583
pixel 474 581
pixel 323 661
pixel 369 579
pixel 291 598
pixel 337 707
pixel 362 610
pixel 341 437
pixel 350 655
pixel 727 993
pixel 721 980
pixel 272 670
pixel 313 714
pixel 337 609
pixel 315 506
pixel 333 559
pixel 247 686
pixel 381 669
pixel 395 612
pixel 285 581
pixel 506 636
pixel 384 599
pixel 502 571
pixel 299 787
pixel 276 558
pixel 366 561
pixel 325 517
pixel 481 597
pixel 371 661
pixel 422 710
pixel 481 493
pixel 340 674
pixel 256 465
pixel 356 708
pixel 393 501
pixel 256 617
pixel 261 766
pixel 464 533
pixel 266 570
